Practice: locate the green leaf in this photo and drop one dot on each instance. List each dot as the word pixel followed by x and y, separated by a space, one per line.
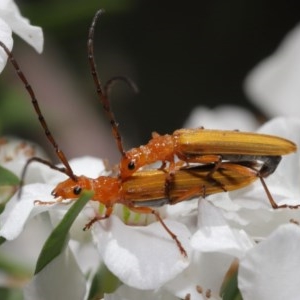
pixel 103 282
pixel 2 240
pixel 14 269
pixel 60 235
pixel 9 293
pixel 230 290
pixel 8 178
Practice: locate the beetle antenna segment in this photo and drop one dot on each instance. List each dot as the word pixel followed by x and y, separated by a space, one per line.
pixel 102 93
pixel 44 162
pixel 68 171
pixel 125 79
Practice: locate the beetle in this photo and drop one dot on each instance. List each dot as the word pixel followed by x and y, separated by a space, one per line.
pixel 198 145
pixel 145 189
pixel 208 146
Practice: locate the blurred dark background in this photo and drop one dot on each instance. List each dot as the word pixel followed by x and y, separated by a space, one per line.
pixel 180 54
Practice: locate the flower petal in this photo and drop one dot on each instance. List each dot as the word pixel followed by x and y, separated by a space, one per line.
pixel 141 257
pixel 33 35
pixel 61 279
pixel 274 84
pixel 128 293
pixel 18 211
pixel 226 117
pixel 25 249
pixel 215 235
pixel 14 154
pixel 271 269
pixel 6 38
pixel 89 166
pixel 206 270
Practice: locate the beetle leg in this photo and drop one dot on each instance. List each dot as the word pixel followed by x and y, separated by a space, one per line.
pixel 108 212
pixel 148 210
pixel 272 201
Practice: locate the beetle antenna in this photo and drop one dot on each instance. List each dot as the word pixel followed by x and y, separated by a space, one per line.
pixel 68 171
pixel 103 93
pixel 114 79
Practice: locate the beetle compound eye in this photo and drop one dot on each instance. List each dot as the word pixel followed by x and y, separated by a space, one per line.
pixel 77 190
pixel 131 166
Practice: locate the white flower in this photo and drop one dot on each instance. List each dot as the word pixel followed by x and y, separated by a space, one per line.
pixel 225 228
pixel 14 154
pixel 249 210
pixel 67 281
pixel 215 246
pixel 12 21
pixel 225 117
pixel 26 227
pixel 274 84
pixel 271 270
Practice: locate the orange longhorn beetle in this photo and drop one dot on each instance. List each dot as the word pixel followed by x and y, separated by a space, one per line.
pixel 199 146
pixel 208 146
pixel 146 189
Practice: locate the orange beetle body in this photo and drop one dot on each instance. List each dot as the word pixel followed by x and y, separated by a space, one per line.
pixel 146 189
pixel 207 146
pixel 148 186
